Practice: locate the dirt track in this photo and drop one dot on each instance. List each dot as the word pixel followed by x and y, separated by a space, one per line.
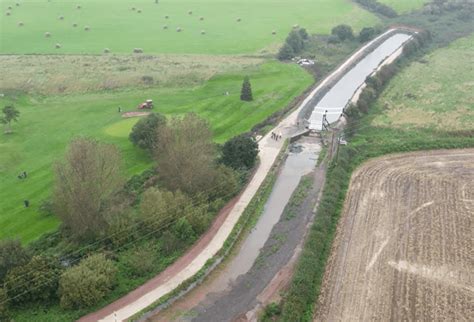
pixel 404 245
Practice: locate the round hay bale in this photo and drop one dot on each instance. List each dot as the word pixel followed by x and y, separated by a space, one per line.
pixel 203 32
pixel 201 18
pixel 190 12
pixel 61 17
pixel 165 27
pixel 274 32
pixel 133 9
pixel 87 28
pixel 57 46
pixel 9 8
pixel 167 17
pixel 17 4
pixel 20 24
pixel 8 13
pixel 78 7
pixel 296 26
pixel 74 25
pixel 139 11
pixel 239 19
pixel 137 50
pixel 106 50
pixel 47 34
pixel 179 29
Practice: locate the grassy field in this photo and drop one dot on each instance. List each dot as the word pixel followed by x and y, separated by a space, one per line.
pixel 434 92
pixel 114 25
pixel 47 124
pixel 403 6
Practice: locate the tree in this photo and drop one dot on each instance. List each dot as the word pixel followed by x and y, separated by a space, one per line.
pixel 366 34
pixel 303 33
pixel 295 41
pixel 35 281
pixel 240 152
pixel 286 52
pixel 4 313
pixel 185 154
pixel 246 92
pixel 143 132
pixel 10 113
pixel 87 283
pixel 12 254
pixel 343 32
pixel 85 183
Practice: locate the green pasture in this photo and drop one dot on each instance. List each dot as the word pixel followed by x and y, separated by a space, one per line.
pixel 403 6
pixel 47 124
pixel 114 25
pixel 434 92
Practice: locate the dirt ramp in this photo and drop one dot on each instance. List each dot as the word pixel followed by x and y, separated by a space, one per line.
pixel 404 244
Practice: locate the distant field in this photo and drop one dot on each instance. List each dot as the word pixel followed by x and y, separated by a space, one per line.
pixel 48 123
pixel 402 6
pixel 435 92
pixel 114 25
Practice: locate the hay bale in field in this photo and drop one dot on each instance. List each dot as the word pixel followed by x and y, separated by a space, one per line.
pixel 139 11
pixel 61 17
pixel 165 27
pixel 74 25
pixel 239 19
pixel 20 24
pixel 8 13
pixel 201 18
pixel 57 46
pixel 78 7
pixel 87 28
pixel 106 50
pixel 17 4
pixel 179 29
pixel 203 32
pixel 137 50
pixel 9 8
pixel 190 12
pixel 167 17
pixel 296 26
pixel 133 9
pixel 274 32
pixel 47 34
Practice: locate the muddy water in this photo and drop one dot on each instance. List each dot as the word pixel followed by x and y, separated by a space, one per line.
pixel 336 99
pixel 300 161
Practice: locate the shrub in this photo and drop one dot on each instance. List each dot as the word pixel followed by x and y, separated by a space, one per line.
pixel 240 152
pixel 343 32
pixel 35 281
pixel 87 283
pixel 137 50
pixel 141 262
pixel 303 33
pixel 183 230
pixel 246 91
pixel 366 34
pixel 143 133
pixel 12 254
pixel 333 39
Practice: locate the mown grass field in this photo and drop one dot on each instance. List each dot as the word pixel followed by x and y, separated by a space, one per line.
pixel 403 6
pixel 47 124
pixel 434 92
pixel 114 25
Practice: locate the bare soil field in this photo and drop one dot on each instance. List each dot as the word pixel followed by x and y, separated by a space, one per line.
pixel 404 245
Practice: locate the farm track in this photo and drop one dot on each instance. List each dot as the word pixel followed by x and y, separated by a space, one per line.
pixel 403 247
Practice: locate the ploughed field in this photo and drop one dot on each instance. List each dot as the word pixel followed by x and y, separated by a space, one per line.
pixel 403 248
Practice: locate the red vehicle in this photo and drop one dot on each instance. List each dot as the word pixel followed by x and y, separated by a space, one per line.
pixel 148 104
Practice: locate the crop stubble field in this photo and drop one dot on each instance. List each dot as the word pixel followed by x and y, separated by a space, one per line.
pixel 403 248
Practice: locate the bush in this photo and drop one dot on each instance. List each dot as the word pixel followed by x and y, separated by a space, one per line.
pixel 343 32
pixel 303 33
pixel 143 132
pixel 87 283
pixel 12 254
pixel 183 230
pixel 333 39
pixel 240 152
pixel 35 281
pixel 141 262
pixel 366 34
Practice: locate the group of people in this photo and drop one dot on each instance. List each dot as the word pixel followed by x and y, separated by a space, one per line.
pixel 276 136
pixel 21 176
